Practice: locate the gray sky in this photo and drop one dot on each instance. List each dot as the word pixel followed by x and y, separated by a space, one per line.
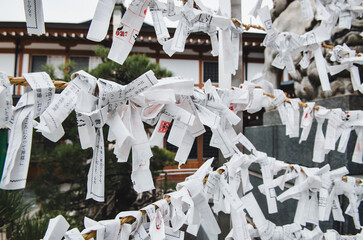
pixel 76 11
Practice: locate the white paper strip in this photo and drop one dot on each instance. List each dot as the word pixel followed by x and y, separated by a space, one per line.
pixel 34 16
pixel 101 20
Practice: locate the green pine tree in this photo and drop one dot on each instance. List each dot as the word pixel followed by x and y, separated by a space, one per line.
pixel 61 184
pixel 61 168
pixel 134 66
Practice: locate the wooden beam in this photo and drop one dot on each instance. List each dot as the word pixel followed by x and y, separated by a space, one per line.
pixel 37 51
pixel 67 56
pixel 181 56
pixel 7 50
pixel 255 60
pixel 200 147
pixel 200 71
pixel 157 58
pixel 20 66
pixel 20 70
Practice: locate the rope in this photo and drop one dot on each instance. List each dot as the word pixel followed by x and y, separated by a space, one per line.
pixel 22 82
pixel 332 47
pixel 92 234
pixel 62 85
pixel 249 26
pixel 127 219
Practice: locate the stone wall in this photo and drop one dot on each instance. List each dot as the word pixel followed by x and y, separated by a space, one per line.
pixel 286 16
pixel 271 139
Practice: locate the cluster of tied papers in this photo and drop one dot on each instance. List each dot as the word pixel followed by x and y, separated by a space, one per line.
pixel 176 104
pixel 316 189
pixel 189 20
pixel 166 103
pixel 194 16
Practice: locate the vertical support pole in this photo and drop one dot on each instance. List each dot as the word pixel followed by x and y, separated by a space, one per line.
pixel 17 44
pixel 67 60
pixel 20 68
pixel 3 146
pixel 17 47
pixel 157 54
pixel 165 182
pixel 238 78
pixel 200 83
pixel 224 77
pixel 116 17
pixel 200 147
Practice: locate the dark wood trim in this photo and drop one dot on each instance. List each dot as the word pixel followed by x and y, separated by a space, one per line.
pixel 200 73
pixel 67 56
pixel 200 147
pixel 20 66
pixel 243 69
pixel 255 60
pixel 7 50
pixel 83 28
pixel 72 34
pixel 259 49
pixel 181 56
pixel 245 61
pixel 48 39
pixel 16 61
pixel 20 69
pixel 200 69
pixel 37 51
pixel 30 63
pixel 157 57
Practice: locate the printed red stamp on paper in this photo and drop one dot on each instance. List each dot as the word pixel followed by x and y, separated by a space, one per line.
pixel 164 125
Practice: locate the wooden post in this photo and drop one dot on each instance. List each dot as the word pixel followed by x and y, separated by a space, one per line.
pixel 3 146
pixel 200 85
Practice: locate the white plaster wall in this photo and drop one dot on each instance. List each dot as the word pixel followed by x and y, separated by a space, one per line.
pixel 183 68
pixel 285 76
pixel 256 55
pixel 142 50
pixel 7 45
pixel 209 54
pixel 56 61
pixel 44 46
pixel 90 47
pixel 25 68
pixel 253 69
pixel 93 62
pixel 7 63
pixel 188 52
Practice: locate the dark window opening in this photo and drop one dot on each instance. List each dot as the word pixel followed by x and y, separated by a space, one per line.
pixel 193 155
pixel 209 151
pixel 81 63
pixel 37 63
pixel 210 71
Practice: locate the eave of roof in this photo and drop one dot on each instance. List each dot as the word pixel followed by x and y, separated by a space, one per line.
pixel 75 33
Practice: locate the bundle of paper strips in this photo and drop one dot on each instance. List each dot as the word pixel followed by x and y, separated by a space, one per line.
pixel 194 16
pixel 176 103
pixel 156 102
pixel 189 205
